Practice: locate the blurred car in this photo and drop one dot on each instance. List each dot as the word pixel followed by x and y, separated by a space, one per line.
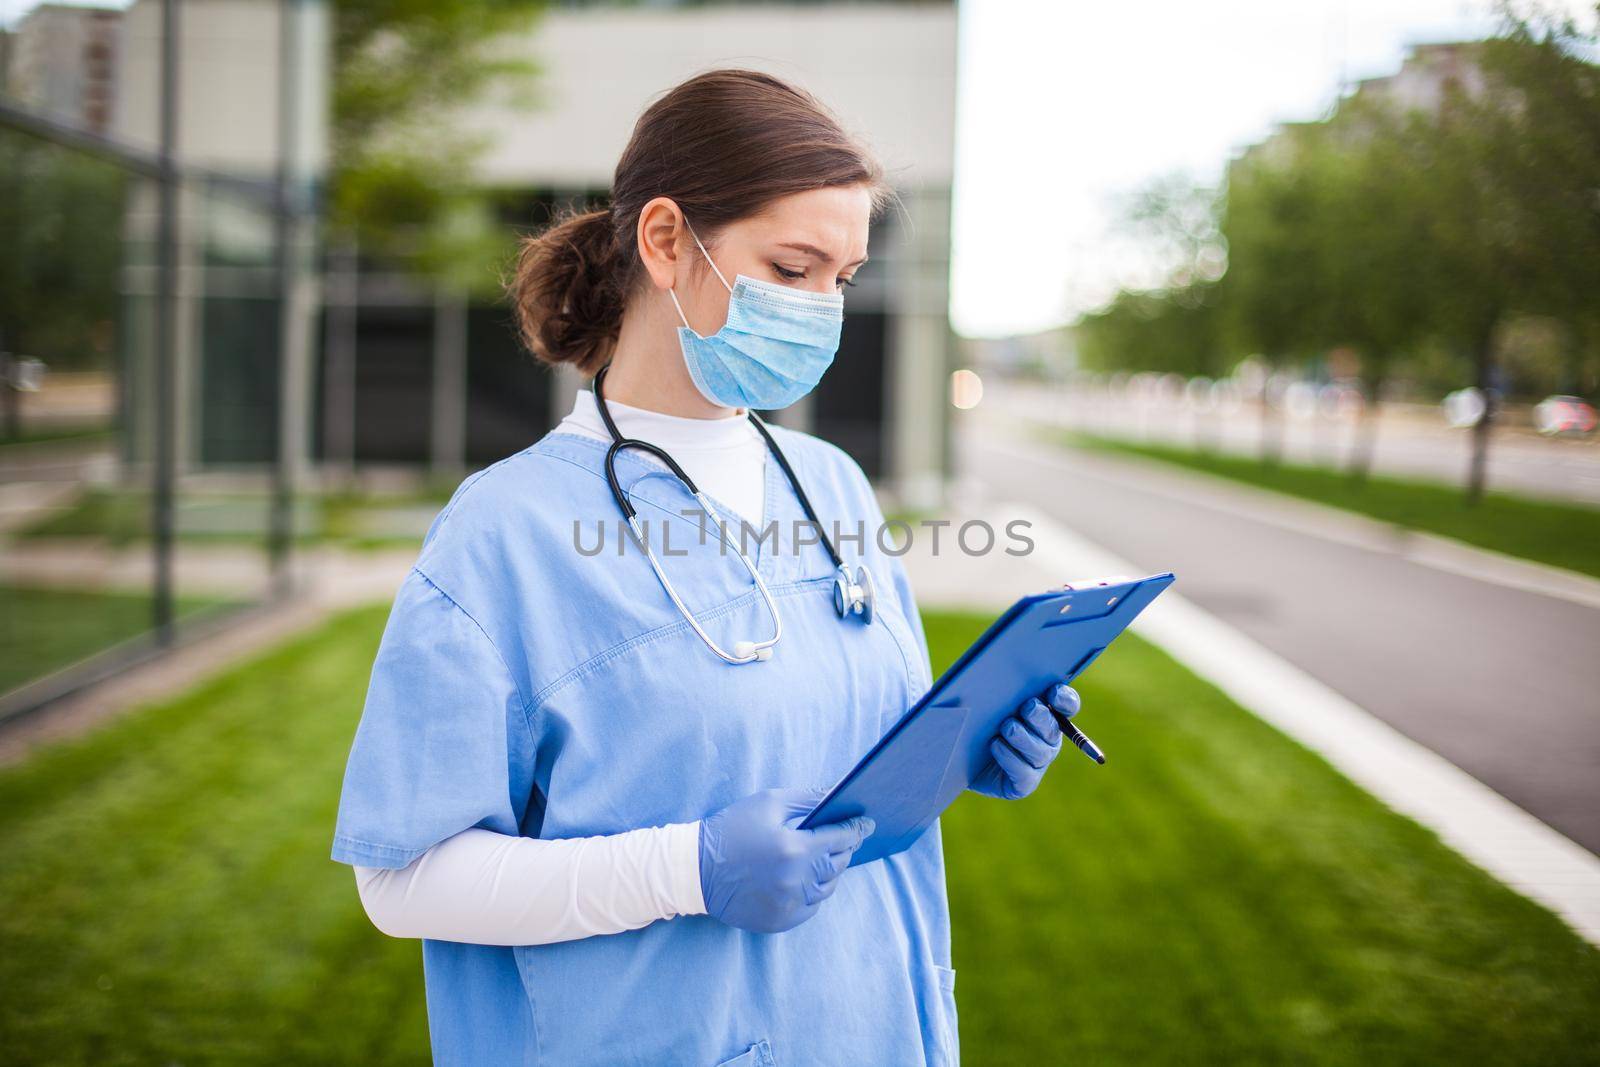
pixel 25 375
pixel 1565 414
pixel 1464 407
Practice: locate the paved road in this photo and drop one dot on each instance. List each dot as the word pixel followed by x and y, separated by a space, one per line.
pixel 1412 442
pixel 1502 682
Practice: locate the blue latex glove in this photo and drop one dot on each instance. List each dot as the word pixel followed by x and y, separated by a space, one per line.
pixel 759 872
pixel 1026 745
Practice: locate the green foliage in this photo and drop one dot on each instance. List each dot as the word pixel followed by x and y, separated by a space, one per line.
pixel 402 184
pixel 1178 326
pixel 1545 148
pixel 1269 216
pixel 1167 330
pixel 1214 894
pixel 1368 212
pixel 61 214
pixel 1403 233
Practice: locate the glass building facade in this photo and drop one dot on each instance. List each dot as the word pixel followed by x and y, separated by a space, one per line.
pixel 160 165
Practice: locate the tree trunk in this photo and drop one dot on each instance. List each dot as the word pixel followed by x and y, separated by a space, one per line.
pixel 1477 469
pixel 10 396
pixel 1366 442
pixel 1201 429
pixel 1573 353
pixel 1271 428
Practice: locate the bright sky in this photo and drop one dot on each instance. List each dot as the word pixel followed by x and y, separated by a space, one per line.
pixel 1063 107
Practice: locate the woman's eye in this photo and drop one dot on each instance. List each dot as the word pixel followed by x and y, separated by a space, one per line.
pixel 795 275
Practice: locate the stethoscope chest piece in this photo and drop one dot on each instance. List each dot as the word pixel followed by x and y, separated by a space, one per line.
pixel 853 595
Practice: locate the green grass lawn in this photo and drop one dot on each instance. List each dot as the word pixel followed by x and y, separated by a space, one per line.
pixel 1562 535
pixel 43 630
pixel 1214 894
pixel 122 517
pixel 57 435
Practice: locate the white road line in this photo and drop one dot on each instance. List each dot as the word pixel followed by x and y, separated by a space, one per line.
pixel 1334 525
pixel 1471 818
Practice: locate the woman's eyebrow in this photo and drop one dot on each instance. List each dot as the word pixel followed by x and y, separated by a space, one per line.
pixel 812 250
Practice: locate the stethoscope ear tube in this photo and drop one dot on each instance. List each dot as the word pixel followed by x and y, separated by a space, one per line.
pixel 623 443
pixel 616 489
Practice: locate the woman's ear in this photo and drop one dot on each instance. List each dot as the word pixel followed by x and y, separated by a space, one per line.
pixel 661 226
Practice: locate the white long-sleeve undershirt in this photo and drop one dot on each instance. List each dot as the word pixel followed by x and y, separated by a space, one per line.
pixel 485 888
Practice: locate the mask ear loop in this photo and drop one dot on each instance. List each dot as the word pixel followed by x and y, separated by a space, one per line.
pixel 709 260
pixel 671 291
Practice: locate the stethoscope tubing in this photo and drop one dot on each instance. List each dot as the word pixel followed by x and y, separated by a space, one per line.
pixel 620 443
pixel 751 650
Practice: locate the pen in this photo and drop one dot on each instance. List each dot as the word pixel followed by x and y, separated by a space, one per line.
pixel 1070 731
pixel 1081 739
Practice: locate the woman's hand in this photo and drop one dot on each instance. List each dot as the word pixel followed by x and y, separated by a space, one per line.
pixel 759 872
pixel 1028 742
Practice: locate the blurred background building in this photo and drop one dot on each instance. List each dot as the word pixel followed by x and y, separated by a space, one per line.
pixel 435 379
pixel 62 61
pixel 202 413
pixel 162 165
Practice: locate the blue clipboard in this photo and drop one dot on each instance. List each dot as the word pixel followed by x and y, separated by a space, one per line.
pixel 940 746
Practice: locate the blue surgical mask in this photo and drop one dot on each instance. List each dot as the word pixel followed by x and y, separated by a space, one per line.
pixel 773 348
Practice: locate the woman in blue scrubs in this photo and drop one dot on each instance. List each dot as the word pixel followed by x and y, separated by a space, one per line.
pixel 579 771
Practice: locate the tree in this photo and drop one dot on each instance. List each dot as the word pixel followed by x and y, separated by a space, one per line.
pixel 61 212
pixel 1270 297
pixel 401 180
pixel 1401 234
pixel 1368 254
pixel 1512 166
pixel 1542 63
pixel 1159 330
pixel 1173 326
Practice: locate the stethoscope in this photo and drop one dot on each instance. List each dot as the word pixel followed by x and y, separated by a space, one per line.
pixel 852 594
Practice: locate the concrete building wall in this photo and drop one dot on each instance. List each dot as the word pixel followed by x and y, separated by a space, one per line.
pixel 887 70
pixel 228 85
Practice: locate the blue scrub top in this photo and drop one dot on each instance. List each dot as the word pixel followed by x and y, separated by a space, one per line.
pixel 528 688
